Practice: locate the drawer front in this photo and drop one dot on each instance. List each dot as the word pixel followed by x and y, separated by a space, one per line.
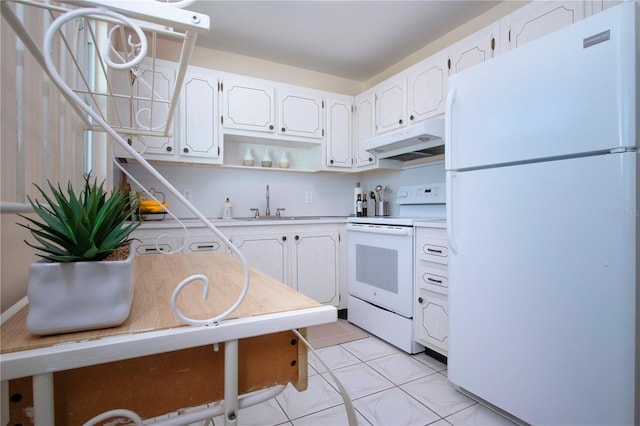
pixel 432 233
pixel 146 246
pixel 196 244
pixel 432 278
pixel 431 250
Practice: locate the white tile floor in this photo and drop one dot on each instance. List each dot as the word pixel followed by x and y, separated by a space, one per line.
pixel 387 387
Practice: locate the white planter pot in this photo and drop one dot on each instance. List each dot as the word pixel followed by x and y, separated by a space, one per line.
pixel 67 297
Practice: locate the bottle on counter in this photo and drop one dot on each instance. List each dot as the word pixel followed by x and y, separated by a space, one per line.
pixel 228 210
pixel 364 205
pixel 359 206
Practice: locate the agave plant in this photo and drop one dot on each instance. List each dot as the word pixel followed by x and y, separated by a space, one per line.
pixel 84 227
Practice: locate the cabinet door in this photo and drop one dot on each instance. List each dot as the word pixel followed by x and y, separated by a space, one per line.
pixel 432 318
pixel 300 114
pixel 427 88
pixel 141 108
pixel 391 101
pixel 248 106
pixel 364 128
pixel 597 6
pixel 537 19
pixel 473 50
pixel 267 252
pixel 148 114
pixel 315 265
pixel 338 143
pixel 199 116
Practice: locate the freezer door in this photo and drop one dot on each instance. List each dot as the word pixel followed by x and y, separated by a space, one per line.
pixel 573 91
pixel 543 288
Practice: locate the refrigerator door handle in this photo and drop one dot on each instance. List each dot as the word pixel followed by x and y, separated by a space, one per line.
pixel 450 224
pixel 448 130
pixel 448 162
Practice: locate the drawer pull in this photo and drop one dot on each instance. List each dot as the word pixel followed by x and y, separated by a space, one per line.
pixel 434 250
pixel 433 280
pixel 208 246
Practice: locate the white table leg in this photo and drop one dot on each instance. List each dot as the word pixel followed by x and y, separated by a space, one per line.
pixel 43 412
pixel 231 383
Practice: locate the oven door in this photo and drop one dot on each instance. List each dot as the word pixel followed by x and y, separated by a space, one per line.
pixel 381 266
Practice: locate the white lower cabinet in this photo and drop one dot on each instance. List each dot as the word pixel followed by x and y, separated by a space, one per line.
pixel 315 265
pixel 304 259
pixel 431 289
pixel 172 240
pixel 433 314
pixel 267 252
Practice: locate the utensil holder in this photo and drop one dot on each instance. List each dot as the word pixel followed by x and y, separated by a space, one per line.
pixel 382 208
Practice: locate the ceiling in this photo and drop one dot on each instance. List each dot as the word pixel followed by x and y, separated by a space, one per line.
pixel 355 40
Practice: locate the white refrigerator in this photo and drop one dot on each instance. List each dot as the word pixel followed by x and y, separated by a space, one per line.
pixel 542 215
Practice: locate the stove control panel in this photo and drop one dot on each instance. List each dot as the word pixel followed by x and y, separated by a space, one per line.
pixel 433 193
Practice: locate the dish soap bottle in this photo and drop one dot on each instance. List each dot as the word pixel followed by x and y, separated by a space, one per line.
pixel 228 210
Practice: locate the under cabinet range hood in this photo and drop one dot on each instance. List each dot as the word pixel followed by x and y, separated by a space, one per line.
pixel 417 141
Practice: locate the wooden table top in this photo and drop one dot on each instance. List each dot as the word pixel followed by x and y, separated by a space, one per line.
pixel 156 278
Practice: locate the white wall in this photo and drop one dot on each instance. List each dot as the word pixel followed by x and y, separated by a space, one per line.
pixel 331 193
pixel 41 139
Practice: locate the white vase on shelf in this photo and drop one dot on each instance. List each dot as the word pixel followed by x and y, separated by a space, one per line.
pixel 248 158
pixel 284 160
pixel 266 160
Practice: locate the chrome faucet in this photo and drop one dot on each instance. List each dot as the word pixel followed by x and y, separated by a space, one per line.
pixel 267 211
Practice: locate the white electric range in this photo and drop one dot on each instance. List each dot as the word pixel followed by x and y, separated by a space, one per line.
pixel 381 265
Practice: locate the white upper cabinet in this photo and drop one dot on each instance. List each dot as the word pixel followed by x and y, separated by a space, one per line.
pixel 153 116
pixel 537 19
pixel 427 88
pixel 199 129
pixel 300 114
pixel 273 110
pixel 597 6
pixel 143 114
pixel 474 49
pixel 339 125
pixel 364 128
pixel 246 105
pixel 391 104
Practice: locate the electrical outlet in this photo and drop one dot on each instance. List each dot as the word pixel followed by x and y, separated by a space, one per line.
pixel 187 193
pixel 308 197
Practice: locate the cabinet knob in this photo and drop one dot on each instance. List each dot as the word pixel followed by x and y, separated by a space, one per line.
pixel 284 130
pixel 169 149
pixel 331 161
pixel 370 159
pixel 284 238
pixel 411 117
pixel 400 121
pixel 420 300
pixel 185 150
pixel 297 237
pixel 271 127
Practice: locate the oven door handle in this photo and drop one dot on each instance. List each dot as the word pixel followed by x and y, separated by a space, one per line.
pixel 377 229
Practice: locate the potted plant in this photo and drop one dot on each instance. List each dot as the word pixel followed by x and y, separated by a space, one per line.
pixel 85 278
